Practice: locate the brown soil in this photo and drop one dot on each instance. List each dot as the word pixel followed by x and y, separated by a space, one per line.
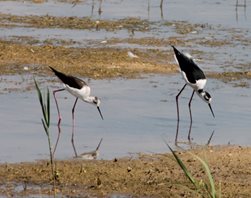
pixel 102 61
pixel 94 62
pixel 90 62
pixel 74 22
pixel 155 175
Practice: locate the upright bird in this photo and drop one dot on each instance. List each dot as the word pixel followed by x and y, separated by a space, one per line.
pixel 194 77
pixel 79 89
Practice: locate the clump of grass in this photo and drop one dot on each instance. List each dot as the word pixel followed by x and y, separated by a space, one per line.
pixel 45 106
pixel 203 188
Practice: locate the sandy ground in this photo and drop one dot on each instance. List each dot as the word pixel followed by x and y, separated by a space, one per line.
pixel 89 62
pixel 155 175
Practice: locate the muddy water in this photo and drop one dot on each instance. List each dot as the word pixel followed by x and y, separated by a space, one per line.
pixel 137 115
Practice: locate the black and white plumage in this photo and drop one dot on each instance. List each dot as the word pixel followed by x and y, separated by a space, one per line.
pixel 194 77
pixel 79 89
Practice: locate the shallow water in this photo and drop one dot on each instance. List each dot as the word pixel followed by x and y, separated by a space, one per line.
pixel 138 114
pixel 217 12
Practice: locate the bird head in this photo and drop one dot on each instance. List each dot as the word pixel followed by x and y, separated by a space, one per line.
pixel 96 101
pixel 205 96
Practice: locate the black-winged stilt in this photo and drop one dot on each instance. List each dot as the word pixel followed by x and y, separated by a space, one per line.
pixel 194 77
pixel 79 89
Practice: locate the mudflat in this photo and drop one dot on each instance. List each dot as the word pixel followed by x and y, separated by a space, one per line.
pixel 156 175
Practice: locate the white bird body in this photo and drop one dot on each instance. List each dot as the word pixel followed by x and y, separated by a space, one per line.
pixel 83 93
pixel 198 85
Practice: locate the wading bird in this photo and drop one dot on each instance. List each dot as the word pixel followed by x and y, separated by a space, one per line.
pixel 194 77
pixel 79 89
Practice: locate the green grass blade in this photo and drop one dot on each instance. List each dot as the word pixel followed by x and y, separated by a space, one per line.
pixel 45 106
pixel 45 110
pixel 48 107
pixel 39 93
pixel 40 98
pixel 219 194
pixel 183 167
pixel 45 127
pixel 209 175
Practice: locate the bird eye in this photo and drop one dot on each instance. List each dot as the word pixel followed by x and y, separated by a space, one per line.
pixel 95 101
pixel 200 90
pixel 207 96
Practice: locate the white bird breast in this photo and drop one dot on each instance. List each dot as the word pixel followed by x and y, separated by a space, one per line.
pixel 82 93
pixel 200 84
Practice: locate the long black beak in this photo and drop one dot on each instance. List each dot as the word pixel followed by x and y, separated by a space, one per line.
pixel 211 110
pixel 100 113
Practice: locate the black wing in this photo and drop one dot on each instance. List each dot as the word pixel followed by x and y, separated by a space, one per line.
pixel 187 65
pixel 71 81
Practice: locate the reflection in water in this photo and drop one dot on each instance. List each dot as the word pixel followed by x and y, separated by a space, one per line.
pixel 92 8
pixel 237 5
pixel 192 145
pixel 91 154
pixel 178 117
pixel 100 8
pixel 147 113
pixel 148 9
pixel 161 9
pixel 210 138
pixel 149 5
pixel 244 4
pixel 75 2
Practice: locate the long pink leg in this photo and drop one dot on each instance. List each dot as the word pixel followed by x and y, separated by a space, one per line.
pixel 178 115
pixel 59 118
pixel 73 127
pixel 191 119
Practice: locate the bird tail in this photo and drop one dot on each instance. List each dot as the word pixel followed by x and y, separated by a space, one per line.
pixel 175 50
pixel 60 75
pixel 54 70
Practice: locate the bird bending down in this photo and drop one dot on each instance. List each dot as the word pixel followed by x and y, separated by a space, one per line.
pixel 194 77
pixel 79 89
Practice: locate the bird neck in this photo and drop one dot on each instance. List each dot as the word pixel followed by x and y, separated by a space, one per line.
pixel 201 93
pixel 204 95
pixel 89 99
